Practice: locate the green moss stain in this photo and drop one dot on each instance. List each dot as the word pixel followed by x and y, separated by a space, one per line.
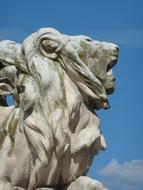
pixel 84 54
pixel 8 129
pixel 3 135
pixel 3 132
pixel 62 100
pixel 11 132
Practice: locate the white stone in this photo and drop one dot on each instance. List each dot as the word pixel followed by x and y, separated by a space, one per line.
pixel 51 134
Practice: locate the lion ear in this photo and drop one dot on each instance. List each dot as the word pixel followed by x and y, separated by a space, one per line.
pixel 49 46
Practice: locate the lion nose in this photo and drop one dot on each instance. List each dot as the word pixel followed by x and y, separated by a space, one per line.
pixel 117 48
pixel 116 51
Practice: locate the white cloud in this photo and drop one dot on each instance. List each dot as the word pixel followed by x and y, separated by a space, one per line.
pixel 126 176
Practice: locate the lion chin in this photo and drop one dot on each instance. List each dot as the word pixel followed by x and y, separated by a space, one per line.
pixel 51 134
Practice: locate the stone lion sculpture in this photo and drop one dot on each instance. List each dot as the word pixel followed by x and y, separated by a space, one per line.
pixel 49 137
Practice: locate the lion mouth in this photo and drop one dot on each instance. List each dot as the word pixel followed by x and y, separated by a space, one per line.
pixel 111 65
pixel 110 79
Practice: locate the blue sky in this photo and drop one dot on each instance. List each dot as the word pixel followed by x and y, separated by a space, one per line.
pixel 120 22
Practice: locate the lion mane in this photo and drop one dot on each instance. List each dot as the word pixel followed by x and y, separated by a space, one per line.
pixel 51 134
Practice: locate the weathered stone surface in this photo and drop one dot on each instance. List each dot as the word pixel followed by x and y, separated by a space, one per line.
pixel 51 134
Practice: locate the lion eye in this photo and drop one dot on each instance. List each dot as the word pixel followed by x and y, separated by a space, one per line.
pixel 88 39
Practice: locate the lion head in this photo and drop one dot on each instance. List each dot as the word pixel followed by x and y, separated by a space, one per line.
pixel 88 63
